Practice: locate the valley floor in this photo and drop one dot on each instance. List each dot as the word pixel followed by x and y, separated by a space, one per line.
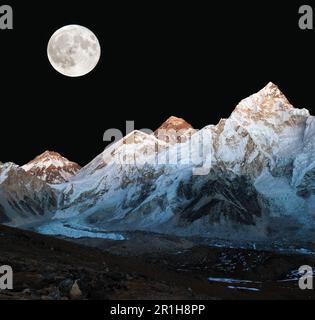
pixel 145 266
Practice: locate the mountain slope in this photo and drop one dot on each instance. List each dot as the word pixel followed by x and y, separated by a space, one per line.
pixel 24 197
pixel 110 171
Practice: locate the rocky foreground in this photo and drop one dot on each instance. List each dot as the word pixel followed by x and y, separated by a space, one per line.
pixel 147 266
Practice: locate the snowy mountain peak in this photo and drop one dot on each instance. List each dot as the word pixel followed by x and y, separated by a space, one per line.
pixel 273 91
pixel 268 107
pixel 175 123
pixel 46 159
pixel 268 100
pixel 136 144
pixel 51 167
pixel 49 155
pixel 174 130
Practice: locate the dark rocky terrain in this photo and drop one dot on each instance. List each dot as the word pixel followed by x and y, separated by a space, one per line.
pixel 147 266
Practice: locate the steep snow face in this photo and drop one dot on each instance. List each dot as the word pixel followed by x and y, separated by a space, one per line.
pixel 263 130
pixel 127 171
pixel 5 169
pixel 303 176
pixel 134 149
pixel 24 197
pixel 130 158
pixel 52 167
pixel 175 130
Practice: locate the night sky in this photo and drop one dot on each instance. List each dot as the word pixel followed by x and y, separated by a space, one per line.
pixel 158 60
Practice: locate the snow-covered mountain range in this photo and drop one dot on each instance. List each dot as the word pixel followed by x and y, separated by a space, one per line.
pixel 258 179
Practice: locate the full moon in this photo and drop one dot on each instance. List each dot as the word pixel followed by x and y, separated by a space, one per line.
pixel 73 51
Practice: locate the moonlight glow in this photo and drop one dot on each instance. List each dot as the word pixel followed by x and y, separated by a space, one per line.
pixel 73 50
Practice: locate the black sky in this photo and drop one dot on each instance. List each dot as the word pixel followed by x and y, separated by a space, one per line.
pixel 158 60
